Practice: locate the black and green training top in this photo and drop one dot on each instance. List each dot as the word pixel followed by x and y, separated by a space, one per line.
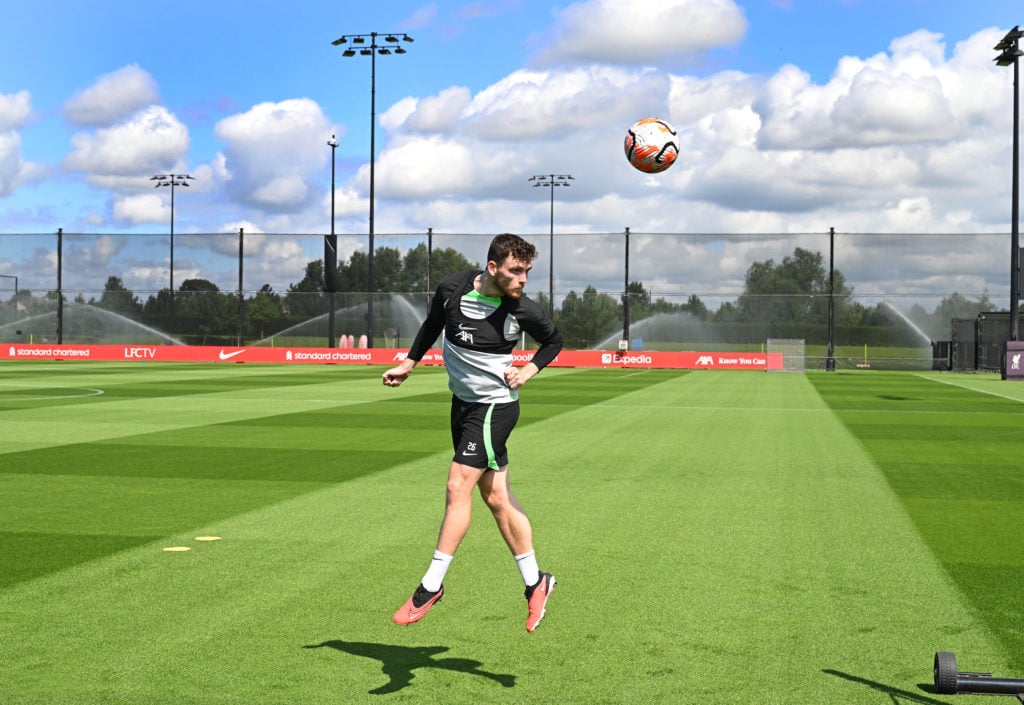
pixel 480 333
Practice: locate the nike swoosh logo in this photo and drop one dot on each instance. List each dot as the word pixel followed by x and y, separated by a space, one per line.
pixel 465 327
pixel 228 355
pixel 466 453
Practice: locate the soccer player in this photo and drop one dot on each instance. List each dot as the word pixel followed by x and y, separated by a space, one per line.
pixel 481 314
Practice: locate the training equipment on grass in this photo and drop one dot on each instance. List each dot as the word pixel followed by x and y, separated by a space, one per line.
pixel 651 145
pixel 949 681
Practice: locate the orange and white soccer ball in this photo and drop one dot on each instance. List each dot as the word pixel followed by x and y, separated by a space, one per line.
pixel 651 145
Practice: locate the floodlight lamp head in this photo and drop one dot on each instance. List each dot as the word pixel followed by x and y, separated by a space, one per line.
pixel 339 40
pixel 391 38
pixel 333 142
pixel 365 52
pixel 348 52
pixel 359 40
pixel 1008 57
pixel 383 51
pixel 406 38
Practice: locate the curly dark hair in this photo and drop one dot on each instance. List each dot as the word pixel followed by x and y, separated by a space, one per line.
pixel 507 244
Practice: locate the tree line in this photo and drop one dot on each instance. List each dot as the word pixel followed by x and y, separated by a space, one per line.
pixel 791 295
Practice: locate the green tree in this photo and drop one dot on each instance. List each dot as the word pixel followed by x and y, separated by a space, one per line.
pixel 640 306
pixel 387 269
pixel 306 299
pixel 263 309
pixel 696 308
pixel 116 298
pixel 586 320
pixel 202 309
pixel 442 262
pixel 794 291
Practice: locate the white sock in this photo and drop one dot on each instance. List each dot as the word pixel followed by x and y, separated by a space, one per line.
pixel 435 573
pixel 527 563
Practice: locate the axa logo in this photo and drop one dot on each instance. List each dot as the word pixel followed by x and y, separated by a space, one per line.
pixel 400 356
pixel 706 361
pixel 465 336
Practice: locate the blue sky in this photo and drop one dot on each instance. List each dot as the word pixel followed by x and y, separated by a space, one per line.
pixel 794 115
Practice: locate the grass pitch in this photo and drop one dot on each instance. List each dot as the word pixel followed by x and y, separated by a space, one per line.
pixel 717 537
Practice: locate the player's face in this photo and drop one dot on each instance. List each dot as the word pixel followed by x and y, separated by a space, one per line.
pixel 510 276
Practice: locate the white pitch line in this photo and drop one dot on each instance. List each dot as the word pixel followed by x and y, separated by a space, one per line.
pixel 964 386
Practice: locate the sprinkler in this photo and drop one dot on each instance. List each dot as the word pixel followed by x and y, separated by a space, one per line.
pixel 950 681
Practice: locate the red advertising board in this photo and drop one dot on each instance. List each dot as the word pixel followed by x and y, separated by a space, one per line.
pixel 382 356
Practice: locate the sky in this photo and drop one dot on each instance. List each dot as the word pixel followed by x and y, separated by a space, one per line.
pixel 794 116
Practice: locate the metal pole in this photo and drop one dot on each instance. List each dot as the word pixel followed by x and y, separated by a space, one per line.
pixel 241 290
pixel 551 254
pixel 1015 208
pixel 60 286
pixel 172 246
pixel 625 296
pixel 430 255
pixel 331 257
pixel 373 158
pixel 830 361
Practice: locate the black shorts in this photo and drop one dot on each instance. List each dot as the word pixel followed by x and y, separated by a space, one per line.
pixel 480 431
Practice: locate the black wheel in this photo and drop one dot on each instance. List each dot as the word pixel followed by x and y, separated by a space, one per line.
pixel 945 672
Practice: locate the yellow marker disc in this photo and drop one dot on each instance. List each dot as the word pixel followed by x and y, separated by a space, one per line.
pixel 177 549
pixel 207 538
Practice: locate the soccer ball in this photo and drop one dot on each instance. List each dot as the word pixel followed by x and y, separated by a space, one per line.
pixel 651 145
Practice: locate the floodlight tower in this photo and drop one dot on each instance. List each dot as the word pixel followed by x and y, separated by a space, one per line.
pixel 1010 53
pixel 172 180
pixel 393 46
pixel 551 181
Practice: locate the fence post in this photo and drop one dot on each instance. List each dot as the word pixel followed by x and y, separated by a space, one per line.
pixel 241 289
pixel 60 286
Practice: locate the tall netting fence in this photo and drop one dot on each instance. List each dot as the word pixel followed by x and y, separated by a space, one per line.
pixel 881 301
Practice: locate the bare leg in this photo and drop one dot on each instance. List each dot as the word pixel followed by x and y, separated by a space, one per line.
pixel 458 506
pixel 512 521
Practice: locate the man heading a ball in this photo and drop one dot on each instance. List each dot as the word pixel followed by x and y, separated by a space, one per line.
pixel 481 314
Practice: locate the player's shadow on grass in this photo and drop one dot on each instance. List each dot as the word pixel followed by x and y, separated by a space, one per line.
pixel 399 662
pixel 896 694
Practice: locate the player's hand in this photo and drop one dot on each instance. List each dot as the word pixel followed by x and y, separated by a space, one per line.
pixel 512 378
pixel 395 376
pixel 516 377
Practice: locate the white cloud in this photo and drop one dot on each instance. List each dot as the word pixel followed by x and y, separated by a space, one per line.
pixel 438 113
pixel 15 110
pixel 146 208
pixel 911 95
pixel 273 152
pixel 149 141
pixel 558 104
pixel 641 31
pixel 12 165
pixel 114 96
